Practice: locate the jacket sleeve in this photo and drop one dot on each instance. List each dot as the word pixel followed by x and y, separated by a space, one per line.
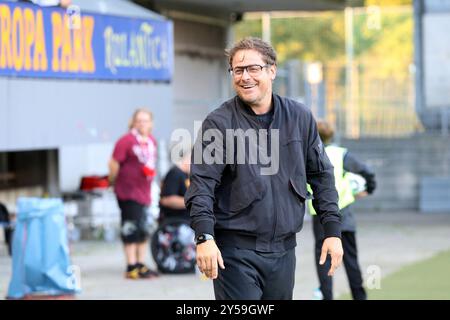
pixel 207 164
pixel 320 176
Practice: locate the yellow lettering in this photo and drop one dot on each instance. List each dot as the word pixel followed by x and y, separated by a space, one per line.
pixel 76 53
pixel 57 30
pixel 29 36
pixel 66 54
pixel 40 52
pixel 17 25
pixel 88 56
pixel 77 57
pixel 5 26
pixel 23 43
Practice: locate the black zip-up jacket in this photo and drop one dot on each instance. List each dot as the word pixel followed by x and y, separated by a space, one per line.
pixel 245 209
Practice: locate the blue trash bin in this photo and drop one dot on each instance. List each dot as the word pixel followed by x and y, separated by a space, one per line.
pixel 41 262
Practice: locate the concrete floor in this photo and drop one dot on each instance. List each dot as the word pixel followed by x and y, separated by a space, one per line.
pixel 386 241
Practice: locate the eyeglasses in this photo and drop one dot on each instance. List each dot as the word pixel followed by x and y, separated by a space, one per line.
pixel 253 70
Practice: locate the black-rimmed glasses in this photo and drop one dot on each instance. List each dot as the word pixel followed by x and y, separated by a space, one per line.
pixel 253 70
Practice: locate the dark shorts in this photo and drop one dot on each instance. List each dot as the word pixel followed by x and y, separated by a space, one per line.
pixel 134 227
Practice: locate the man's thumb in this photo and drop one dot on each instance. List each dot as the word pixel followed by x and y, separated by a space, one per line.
pixel 323 256
pixel 220 260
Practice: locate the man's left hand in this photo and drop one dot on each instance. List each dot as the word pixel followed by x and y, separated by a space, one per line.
pixel 333 246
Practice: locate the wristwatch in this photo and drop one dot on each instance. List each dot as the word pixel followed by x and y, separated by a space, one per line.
pixel 203 237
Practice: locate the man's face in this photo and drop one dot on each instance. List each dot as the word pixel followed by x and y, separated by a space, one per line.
pixel 252 86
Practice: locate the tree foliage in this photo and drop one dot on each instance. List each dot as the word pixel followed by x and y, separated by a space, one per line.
pixel 321 36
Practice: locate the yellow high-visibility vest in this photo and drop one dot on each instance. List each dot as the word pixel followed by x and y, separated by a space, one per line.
pixel 336 155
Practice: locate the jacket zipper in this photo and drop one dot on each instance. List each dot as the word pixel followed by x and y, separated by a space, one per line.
pixel 275 205
pixel 275 218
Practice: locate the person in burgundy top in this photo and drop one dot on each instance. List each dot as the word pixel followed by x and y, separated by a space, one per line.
pixel 131 170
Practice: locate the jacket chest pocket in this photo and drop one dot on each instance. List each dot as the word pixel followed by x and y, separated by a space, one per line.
pixel 243 195
pixel 294 156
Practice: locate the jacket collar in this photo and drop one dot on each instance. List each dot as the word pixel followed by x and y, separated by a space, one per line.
pixel 247 111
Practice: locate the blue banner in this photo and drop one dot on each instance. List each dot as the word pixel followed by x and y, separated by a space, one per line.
pixel 56 43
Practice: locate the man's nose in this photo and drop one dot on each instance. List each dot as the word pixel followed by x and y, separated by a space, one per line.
pixel 245 74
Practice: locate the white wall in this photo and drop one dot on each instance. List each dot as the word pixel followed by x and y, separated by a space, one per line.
pixel 200 81
pixel 436 48
pixel 81 160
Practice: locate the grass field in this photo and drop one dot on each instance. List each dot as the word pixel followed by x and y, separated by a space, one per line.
pixel 424 280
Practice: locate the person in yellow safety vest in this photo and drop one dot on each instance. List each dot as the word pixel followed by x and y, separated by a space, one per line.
pixel 343 162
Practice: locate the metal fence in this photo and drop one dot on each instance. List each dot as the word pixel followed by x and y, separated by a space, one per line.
pixel 376 107
pixel 366 88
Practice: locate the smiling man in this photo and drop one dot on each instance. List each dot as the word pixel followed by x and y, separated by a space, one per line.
pixel 246 222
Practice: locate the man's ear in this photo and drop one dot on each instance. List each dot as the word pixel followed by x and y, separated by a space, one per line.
pixel 273 71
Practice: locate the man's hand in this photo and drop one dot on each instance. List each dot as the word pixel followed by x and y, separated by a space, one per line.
pixel 208 255
pixel 65 3
pixel 333 246
pixel 362 194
